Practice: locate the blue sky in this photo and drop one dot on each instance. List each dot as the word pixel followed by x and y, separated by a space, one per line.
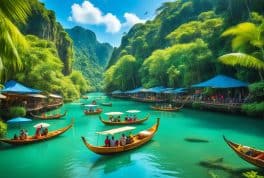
pixel 109 19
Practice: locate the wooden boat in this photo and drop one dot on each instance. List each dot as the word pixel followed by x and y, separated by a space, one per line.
pixel 97 111
pixel 249 154
pixel 166 108
pixel 44 117
pixel 84 97
pixel 106 104
pixel 123 122
pixel 148 100
pixel 33 139
pixel 138 140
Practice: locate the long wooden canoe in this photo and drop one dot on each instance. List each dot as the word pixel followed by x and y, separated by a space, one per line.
pixel 148 100
pixel 44 117
pixel 138 140
pixel 166 109
pixel 97 111
pixel 253 156
pixel 33 139
pixel 123 122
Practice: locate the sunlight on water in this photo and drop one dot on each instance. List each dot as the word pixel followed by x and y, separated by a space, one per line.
pixel 166 155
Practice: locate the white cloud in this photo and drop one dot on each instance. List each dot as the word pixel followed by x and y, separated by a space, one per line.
pixel 87 13
pixel 132 19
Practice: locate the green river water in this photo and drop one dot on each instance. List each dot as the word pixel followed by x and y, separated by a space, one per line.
pixel 167 155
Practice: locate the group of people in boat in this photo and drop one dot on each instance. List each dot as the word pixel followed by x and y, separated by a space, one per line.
pixel 22 135
pixel 127 118
pixel 41 131
pixel 124 140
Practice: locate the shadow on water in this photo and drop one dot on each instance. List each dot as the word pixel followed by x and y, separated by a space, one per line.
pixel 114 162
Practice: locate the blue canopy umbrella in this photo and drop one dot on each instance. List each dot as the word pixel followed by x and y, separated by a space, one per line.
pixel 221 81
pixel 15 87
pixel 19 120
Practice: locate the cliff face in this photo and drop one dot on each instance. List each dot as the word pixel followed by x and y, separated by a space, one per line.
pixel 42 23
pixel 85 40
pixel 90 56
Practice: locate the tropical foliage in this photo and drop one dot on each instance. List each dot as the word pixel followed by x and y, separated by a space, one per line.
pixel 10 37
pixel 3 128
pixel 90 56
pixel 248 38
pixel 180 46
pixel 45 71
pixel 17 111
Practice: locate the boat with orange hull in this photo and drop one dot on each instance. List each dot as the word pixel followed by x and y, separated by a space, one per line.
pixel 51 117
pixel 137 121
pixel 170 109
pixel 34 139
pixel 249 154
pixel 148 100
pixel 136 141
pixel 97 111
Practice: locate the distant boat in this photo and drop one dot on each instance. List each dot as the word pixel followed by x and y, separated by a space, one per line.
pixel 51 117
pixel 92 110
pixel 159 108
pixel 137 140
pixel 33 139
pixel 124 122
pixel 249 154
pixel 106 104
pixel 84 97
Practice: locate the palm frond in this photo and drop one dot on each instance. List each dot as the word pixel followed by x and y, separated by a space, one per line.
pixel 242 59
pixel 10 40
pixel 15 10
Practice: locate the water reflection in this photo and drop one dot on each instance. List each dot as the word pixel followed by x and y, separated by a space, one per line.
pixel 112 163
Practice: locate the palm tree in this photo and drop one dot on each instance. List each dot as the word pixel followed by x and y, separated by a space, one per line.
pixel 11 11
pixel 246 36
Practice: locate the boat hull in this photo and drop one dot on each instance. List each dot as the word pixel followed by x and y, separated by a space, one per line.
pixel 139 121
pixel 57 116
pixel 33 139
pixel 165 109
pixel 138 141
pixel 93 113
pixel 256 157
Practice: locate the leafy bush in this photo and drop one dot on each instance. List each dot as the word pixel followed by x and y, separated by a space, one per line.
pixel 254 109
pixel 252 174
pixel 3 128
pixel 17 111
pixel 256 91
pixel 196 105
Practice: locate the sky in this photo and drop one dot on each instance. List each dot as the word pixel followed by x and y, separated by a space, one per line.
pixel 109 19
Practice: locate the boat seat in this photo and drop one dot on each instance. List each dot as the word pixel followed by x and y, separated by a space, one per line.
pixel 143 134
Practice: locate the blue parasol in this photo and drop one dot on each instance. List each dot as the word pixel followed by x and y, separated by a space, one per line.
pixel 18 120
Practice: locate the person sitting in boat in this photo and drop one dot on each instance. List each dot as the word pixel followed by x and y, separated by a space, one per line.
pixel 22 135
pixel 118 118
pixel 45 131
pixel 126 118
pixel 26 134
pixel 38 132
pixel 15 137
pixel 123 140
pixel 112 142
pixel 107 141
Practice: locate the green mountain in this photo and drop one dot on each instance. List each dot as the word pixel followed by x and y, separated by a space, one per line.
pixel 181 45
pixel 46 59
pixel 90 56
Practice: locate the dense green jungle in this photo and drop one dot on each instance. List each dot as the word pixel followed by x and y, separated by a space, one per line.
pixel 188 41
